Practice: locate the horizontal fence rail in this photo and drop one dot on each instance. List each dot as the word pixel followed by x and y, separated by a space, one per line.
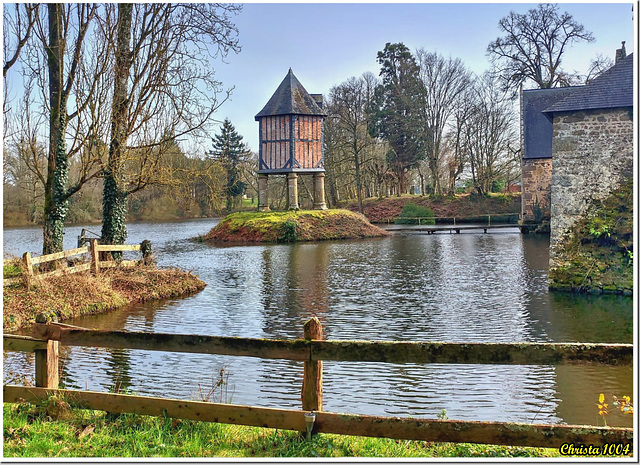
pixel 524 228
pixel 313 350
pixel 522 353
pixel 513 434
pixel 500 217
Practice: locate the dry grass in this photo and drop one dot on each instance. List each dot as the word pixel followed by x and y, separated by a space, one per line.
pixel 83 293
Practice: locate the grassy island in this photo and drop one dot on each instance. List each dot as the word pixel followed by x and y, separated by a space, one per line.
pixel 293 226
pixel 79 294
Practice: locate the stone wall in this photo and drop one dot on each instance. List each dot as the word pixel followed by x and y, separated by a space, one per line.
pixel 536 189
pixel 592 154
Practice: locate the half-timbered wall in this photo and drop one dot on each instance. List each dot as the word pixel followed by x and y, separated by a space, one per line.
pixel 275 138
pixel 308 141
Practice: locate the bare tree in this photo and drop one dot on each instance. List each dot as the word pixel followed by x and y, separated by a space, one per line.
pixel 599 65
pixel 444 80
pixel 17 29
pixel 533 47
pixel 489 134
pixel 460 134
pixel 348 108
pixel 63 40
pixel 164 89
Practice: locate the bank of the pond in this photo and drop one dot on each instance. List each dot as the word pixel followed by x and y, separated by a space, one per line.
pixel 57 430
pixel 293 226
pixel 463 207
pixel 596 255
pixel 83 293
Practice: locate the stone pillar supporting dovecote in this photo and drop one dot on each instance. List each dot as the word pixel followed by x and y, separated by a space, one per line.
pixel 318 192
pixel 292 191
pixel 263 193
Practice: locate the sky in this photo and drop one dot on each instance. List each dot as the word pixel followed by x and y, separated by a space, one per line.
pixel 327 43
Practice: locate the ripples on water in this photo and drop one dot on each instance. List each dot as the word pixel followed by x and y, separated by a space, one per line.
pixel 468 287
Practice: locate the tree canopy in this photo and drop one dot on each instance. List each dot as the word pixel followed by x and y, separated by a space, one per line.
pixel 229 150
pixel 399 108
pixel 533 47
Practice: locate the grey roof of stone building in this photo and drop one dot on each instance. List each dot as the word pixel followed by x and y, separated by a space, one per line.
pixel 290 98
pixel 537 126
pixel 612 89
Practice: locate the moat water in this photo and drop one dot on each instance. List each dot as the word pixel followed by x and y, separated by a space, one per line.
pixel 469 287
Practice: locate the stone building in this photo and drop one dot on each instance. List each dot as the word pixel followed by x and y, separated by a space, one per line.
pixel 592 145
pixel 537 134
pixel 291 142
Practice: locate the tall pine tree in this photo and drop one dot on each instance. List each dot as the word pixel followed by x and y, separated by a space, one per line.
pixel 399 109
pixel 229 149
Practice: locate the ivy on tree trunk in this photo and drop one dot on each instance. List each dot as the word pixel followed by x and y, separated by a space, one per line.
pixel 114 197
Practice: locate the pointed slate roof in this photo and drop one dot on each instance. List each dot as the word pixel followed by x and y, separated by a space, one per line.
pixel 290 98
pixel 612 89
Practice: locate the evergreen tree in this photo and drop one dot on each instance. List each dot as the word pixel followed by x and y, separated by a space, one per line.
pixel 229 150
pixel 399 114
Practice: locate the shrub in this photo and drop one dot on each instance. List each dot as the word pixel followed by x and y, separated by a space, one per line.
pixel 415 214
pixel 289 232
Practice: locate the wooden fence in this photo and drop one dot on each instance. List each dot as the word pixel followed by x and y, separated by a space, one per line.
pixel 312 350
pixel 96 262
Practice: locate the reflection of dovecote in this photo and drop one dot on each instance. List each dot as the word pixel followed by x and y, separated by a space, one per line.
pixel 592 146
pixel 291 141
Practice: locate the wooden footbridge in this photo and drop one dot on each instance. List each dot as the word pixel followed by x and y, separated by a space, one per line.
pixel 524 228
pixel 451 224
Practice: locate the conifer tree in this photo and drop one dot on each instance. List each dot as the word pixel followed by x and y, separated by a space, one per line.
pixel 229 150
pixel 399 114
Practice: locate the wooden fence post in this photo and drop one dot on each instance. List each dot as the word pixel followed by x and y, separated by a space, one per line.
pixel 312 381
pixel 147 256
pixel 95 257
pixel 26 258
pixel 47 366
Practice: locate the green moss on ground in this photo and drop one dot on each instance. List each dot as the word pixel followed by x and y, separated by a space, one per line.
pixel 597 256
pixel 293 226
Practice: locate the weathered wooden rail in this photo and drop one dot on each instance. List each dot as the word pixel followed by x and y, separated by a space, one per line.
pixel 94 250
pixel 497 217
pixel 524 228
pixel 312 350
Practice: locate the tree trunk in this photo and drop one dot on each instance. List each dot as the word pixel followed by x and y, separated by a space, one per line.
pixel 114 196
pixel 358 178
pixel 55 199
pixel 433 167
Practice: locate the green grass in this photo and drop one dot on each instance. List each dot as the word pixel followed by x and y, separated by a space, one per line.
pixel 11 270
pixel 247 203
pixel 58 430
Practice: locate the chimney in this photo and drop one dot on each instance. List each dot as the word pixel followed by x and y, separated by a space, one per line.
pixel 317 98
pixel 621 53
